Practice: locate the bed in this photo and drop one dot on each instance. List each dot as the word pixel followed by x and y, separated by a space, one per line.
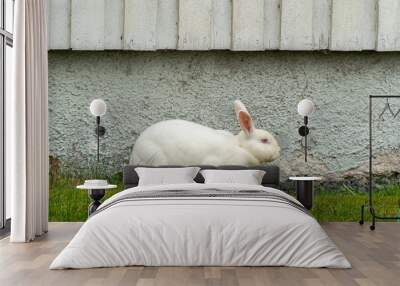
pixel 199 224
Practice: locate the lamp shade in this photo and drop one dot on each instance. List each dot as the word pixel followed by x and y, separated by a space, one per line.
pixel 305 107
pixel 98 107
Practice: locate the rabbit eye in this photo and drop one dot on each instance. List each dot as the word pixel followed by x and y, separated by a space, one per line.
pixel 265 140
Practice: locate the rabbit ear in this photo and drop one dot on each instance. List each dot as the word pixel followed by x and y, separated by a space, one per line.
pixel 239 106
pixel 244 118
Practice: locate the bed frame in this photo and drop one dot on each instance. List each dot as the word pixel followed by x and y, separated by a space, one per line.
pixel 270 179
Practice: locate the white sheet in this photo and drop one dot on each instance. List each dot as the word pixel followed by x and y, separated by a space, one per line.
pixel 200 231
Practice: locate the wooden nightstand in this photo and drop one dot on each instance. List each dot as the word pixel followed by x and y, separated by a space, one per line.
pixel 305 190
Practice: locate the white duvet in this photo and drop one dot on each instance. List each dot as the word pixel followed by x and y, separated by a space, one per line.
pixel 200 231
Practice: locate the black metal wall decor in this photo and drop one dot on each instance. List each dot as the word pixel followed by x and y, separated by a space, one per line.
pixel 304 131
pixel 386 110
pixel 100 131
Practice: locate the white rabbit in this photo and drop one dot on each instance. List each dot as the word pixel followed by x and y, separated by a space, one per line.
pixel 180 142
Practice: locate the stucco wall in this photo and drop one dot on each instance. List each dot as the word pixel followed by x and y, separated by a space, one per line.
pixel 142 88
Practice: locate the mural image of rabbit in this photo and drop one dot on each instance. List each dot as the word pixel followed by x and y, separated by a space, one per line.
pixel 180 142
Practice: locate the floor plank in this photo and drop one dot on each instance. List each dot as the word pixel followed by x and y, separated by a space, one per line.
pixel 375 256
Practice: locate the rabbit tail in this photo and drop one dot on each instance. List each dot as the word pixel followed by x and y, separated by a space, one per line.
pixel 147 153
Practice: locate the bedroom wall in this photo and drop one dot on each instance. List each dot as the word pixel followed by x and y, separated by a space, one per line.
pixel 142 88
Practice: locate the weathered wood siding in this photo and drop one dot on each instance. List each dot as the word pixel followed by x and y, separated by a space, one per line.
pixel 249 25
pixel 272 24
pixel 140 25
pixel 221 24
pixel 297 25
pixel 113 24
pixel 354 25
pixel 87 24
pixel 194 24
pixel 389 25
pixel 167 24
pixel 59 24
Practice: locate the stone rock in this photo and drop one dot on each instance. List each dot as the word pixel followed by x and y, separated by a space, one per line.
pixel 383 165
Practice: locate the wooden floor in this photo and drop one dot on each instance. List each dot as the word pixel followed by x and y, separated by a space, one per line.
pixel 375 257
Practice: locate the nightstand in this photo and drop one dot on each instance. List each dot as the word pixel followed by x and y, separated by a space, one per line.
pixel 96 192
pixel 305 190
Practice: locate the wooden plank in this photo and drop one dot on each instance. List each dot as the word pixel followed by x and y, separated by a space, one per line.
pixel 272 24
pixel 297 25
pixel 388 25
pixel 221 24
pixel 369 24
pixel 59 24
pixel 167 24
pixel 353 25
pixel 305 24
pixel 374 257
pixel 248 25
pixel 113 24
pixel 140 24
pixel 322 11
pixel 194 25
pixel 87 24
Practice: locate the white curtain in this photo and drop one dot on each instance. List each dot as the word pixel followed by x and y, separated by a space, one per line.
pixel 27 124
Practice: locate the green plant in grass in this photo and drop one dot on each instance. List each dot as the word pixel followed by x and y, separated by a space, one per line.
pixel 66 203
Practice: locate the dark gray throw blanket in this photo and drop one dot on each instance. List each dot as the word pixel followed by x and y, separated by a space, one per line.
pixel 198 194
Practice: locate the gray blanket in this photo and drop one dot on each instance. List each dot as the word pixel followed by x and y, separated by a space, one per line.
pixel 202 194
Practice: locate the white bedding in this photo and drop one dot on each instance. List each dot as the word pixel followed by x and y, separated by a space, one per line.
pixel 200 231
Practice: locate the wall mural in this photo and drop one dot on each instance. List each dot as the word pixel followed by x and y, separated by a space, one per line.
pixel 170 107
pixel 142 89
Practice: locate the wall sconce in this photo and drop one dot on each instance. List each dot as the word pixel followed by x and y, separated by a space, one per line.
pixel 305 108
pixel 98 108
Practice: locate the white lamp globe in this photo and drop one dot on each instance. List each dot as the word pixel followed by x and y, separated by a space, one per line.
pixel 305 107
pixel 98 107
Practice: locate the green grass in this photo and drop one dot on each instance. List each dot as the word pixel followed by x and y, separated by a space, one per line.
pixel 342 204
pixel 67 203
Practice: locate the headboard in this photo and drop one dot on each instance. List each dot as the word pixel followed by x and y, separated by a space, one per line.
pixel 270 179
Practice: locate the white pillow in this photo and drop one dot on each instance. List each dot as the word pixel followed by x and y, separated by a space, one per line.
pixel 165 176
pixel 246 177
